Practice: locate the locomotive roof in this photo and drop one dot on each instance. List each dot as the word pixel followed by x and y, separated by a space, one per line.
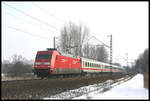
pixel 68 55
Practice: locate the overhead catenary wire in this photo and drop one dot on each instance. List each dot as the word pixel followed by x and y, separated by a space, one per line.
pixel 99 41
pixel 48 12
pixel 45 23
pixel 123 60
pixel 39 21
pixel 29 33
pixel 28 22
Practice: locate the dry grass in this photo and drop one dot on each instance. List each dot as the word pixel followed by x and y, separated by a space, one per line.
pixel 5 78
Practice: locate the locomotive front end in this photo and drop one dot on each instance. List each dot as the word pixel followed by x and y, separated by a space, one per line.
pixel 42 63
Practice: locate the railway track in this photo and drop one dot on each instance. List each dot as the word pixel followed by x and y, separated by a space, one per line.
pixel 100 87
pixel 39 88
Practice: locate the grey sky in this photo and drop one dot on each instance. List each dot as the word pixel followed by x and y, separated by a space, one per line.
pixel 126 21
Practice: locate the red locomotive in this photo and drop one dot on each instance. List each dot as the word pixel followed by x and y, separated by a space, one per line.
pixel 51 62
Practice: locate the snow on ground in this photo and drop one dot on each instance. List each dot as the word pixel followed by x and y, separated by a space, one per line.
pixel 70 94
pixel 132 89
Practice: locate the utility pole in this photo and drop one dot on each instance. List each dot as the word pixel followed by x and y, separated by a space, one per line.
pixel 111 49
pixel 111 54
pixel 54 42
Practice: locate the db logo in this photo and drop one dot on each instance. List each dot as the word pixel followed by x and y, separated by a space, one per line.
pixel 74 62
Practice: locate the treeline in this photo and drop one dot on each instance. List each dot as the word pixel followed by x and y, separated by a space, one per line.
pixel 75 40
pixel 142 63
pixel 17 67
pixel 142 66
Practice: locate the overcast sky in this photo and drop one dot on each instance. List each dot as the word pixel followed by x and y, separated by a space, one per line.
pixel 28 27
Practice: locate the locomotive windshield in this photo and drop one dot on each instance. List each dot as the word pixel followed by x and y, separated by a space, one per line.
pixel 43 56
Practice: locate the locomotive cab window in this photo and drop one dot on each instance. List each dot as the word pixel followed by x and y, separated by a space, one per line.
pixel 43 56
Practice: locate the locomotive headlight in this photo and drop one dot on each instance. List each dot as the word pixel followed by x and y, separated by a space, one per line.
pixel 46 63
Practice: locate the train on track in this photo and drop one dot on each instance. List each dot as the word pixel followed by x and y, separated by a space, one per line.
pixel 52 63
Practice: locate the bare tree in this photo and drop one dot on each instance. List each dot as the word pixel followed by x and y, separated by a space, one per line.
pixel 5 66
pixel 15 58
pixel 18 66
pixel 72 38
pixel 142 62
pixel 142 66
pixel 101 54
pixel 92 52
pixel 86 51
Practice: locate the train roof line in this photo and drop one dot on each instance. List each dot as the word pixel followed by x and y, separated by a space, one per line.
pixel 93 60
